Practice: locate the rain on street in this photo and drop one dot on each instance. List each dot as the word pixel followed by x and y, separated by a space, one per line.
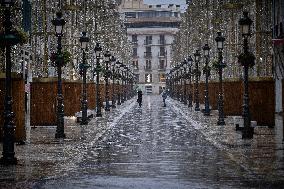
pixel 147 147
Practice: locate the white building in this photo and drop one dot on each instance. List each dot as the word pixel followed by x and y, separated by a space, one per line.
pixel 151 29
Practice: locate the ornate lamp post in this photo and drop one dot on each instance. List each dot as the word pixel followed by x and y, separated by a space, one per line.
pixel 189 61
pixel 125 70
pixel 113 81
pixel 98 50
pixel 173 83
pixel 184 65
pixel 123 83
pixel 9 39
pixel 131 84
pixel 59 22
pixel 173 79
pixel 181 79
pixel 220 45
pixel 206 50
pixel 83 67
pixel 177 82
pixel 118 84
pixel 170 82
pixel 247 60
pixel 107 60
pixel 197 75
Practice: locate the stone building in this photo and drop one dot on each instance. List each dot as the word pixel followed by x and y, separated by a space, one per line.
pixel 278 50
pixel 151 30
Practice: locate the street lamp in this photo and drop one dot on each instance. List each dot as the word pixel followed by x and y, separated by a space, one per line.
pixel 197 75
pixel 181 82
pixel 131 84
pixel 107 60
pixel 190 61
pixel 125 69
pixel 113 100
pixel 206 50
pixel 98 51
pixel 177 82
pixel 122 82
pixel 184 80
pixel 9 39
pixel 220 46
pixel 118 71
pixel 83 67
pixel 59 22
pixel 170 82
pixel 247 59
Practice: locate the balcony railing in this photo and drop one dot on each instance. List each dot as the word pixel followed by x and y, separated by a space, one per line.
pixel 147 42
pixel 162 68
pixel 148 54
pixel 162 42
pixel 162 54
pixel 135 55
pixel 148 68
pixel 134 42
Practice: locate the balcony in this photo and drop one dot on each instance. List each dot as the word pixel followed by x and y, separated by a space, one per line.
pixel 162 68
pixel 162 42
pixel 147 42
pixel 148 68
pixel 162 54
pixel 148 54
pixel 134 42
pixel 135 56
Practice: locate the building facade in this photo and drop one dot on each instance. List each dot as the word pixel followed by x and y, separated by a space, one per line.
pixel 151 30
pixel 278 50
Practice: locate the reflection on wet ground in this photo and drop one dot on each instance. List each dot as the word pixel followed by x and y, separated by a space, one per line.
pixel 148 147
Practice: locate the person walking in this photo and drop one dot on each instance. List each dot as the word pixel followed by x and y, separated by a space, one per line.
pixel 139 99
pixel 164 95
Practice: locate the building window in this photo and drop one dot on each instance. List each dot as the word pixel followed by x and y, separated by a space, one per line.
pixel 148 40
pixel 162 51
pixel 136 78
pixel 148 78
pixel 134 50
pixel 130 15
pixel 148 49
pixel 135 64
pixel 162 78
pixel 148 52
pixel 134 39
pixel 162 40
pixel 148 65
pixel 162 64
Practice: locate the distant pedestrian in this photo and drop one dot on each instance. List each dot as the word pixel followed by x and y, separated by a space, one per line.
pixel 164 95
pixel 139 98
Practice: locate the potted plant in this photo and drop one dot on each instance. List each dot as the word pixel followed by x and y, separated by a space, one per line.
pixel 61 59
pixel 247 59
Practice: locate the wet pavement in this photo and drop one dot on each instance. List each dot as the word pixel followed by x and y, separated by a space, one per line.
pixel 148 147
